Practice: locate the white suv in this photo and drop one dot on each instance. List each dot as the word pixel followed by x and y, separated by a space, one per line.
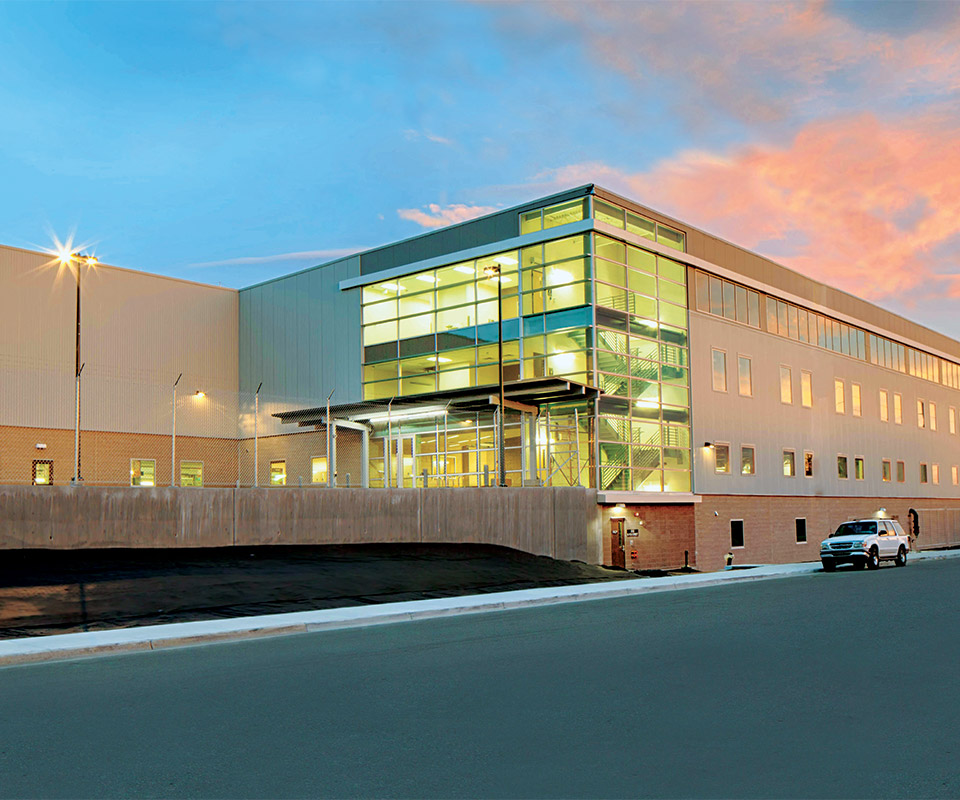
pixel 865 542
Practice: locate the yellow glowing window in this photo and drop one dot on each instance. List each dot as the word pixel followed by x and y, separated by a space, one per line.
pixel 191 473
pixel 318 469
pixel 278 473
pixel 143 472
pixel 42 473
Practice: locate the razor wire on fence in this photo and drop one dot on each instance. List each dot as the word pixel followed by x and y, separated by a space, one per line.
pixel 140 432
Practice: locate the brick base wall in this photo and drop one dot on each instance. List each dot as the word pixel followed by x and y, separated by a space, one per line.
pixel 663 533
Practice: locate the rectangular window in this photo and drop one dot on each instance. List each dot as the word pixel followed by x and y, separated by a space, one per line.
pixel 897 409
pixel 933 416
pixel 748 464
pixel 42 472
pixel 807 464
pixel 885 465
pixel 806 389
pixel 884 408
pixel 786 385
pixel 719 371
pixel 842 467
pixel 143 472
pixel 801 524
pixel 789 463
pixel 736 533
pixel 923 473
pixel 722 458
pixel 745 369
pixel 858 468
pixel 952 415
pixel 921 415
pixel 191 473
pixel 839 395
pixel 935 469
pixel 955 474
pixel 278 473
pixel 855 398
pixel 318 468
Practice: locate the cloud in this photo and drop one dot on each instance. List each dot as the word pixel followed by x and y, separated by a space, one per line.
pixel 304 255
pixel 765 63
pixel 869 206
pixel 438 216
pixel 412 136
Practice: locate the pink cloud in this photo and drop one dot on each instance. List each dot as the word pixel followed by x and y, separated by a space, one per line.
pixel 437 216
pixel 868 206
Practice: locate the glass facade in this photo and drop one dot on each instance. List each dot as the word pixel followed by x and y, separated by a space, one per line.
pixel 589 308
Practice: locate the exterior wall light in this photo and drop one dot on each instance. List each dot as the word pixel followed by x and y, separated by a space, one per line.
pixel 199 395
pixel 708 445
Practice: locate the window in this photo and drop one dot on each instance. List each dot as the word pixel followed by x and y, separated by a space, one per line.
pixel 789 463
pixel 901 472
pixel 786 385
pixel 722 458
pixel 191 473
pixel 921 415
pixel 801 524
pixel 952 415
pixel 807 464
pixel 42 472
pixel 736 533
pixel 858 468
pixel 842 467
pixel 278 473
pixel 839 396
pixel 745 370
pixel 935 469
pixel 719 371
pixel 318 469
pixel 884 407
pixel 923 473
pixel 855 398
pixel 806 389
pixel 955 474
pixel 897 409
pixel 885 464
pixel 748 465
pixel 143 472
pixel 933 416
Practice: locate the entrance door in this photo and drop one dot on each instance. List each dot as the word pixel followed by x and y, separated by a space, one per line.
pixel 617 556
pixel 405 462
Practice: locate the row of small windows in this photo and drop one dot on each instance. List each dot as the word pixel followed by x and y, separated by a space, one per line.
pixel 846 467
pixel 723 298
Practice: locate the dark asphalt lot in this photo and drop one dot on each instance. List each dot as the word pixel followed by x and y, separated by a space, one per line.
pixel 821 686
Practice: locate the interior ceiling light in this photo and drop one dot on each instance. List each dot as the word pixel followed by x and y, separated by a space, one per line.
pixel 465 270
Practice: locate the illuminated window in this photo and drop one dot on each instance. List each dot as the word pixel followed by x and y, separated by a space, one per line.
pixel 952 417
pixel 855 399
pixel 885 464
pixel 789 463
pixel 191 473
pixel 748 464
pixel 722 456
pixel 923 473
pixel 933 416
pixel 858 468
pixel 842 467
pixel 955 474
pixel 839 396
pixel 143 472
pixel 786 385
pixel 901 472
pixel 318 469
pixel 807 464
pixel 921 414
pixel 884 407
pixel 806 389
pixel 278 473
pixel 42 472
pixel 935 473
pixel 897 409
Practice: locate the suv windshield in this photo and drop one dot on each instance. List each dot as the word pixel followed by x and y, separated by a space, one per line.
pixel 855 529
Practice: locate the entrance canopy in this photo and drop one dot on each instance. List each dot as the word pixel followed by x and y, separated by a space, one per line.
pixel 524 395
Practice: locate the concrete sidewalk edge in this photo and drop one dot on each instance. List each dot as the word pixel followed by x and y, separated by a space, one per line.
pixel 156 637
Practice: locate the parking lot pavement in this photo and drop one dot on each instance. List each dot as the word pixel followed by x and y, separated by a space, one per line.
pixel 47 592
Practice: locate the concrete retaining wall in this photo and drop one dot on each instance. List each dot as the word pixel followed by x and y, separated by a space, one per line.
pixel 557 522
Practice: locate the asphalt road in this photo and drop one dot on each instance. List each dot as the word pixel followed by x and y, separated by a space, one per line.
pixel 843 685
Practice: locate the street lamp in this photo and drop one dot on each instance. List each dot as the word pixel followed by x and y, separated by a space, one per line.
pixel 67 258
pixel 493 271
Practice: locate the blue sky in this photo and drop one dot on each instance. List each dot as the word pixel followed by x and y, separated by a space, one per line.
pixel 216 141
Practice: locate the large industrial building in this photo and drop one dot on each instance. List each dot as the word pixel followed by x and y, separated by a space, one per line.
pixel 712 399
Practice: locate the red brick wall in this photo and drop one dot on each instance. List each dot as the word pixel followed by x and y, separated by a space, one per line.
pixel 769 529
pixel 667 531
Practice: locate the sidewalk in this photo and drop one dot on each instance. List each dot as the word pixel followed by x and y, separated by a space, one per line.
pixel 154 637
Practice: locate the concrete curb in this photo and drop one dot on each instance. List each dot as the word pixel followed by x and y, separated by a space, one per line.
pixel 157 637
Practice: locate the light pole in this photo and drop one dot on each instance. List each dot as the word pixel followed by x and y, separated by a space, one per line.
pixel 256 438
pixel 493 271
pixel 173 434
pixel 66 259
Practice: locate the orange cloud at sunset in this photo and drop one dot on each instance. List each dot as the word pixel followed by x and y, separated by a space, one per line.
pixel 868 206
pixel 437 216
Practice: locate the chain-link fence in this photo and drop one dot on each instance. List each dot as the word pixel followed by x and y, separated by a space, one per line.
pixel 138 432
pixel 937 527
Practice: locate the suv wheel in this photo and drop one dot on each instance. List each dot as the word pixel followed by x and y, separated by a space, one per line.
pixel 901 559
pixel 829 565
pixel 873 559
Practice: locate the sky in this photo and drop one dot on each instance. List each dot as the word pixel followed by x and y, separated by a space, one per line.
pixel 233 142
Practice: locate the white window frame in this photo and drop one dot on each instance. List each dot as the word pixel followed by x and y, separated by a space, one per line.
pixel 856 400
pixel 897 408
pixel 713 369
pixel 932 414
pixel 718 471
pixel 863 464
pixel 806 538
pixel 805 373
pixel 890 463
pixel 784 451
pixel 839 402
pixel 743 529
pixel 846 460
pixel 203 473
pixel 812 463
pixel 884 405
pixel 789 369
pixel 749 360
pixel 754 449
